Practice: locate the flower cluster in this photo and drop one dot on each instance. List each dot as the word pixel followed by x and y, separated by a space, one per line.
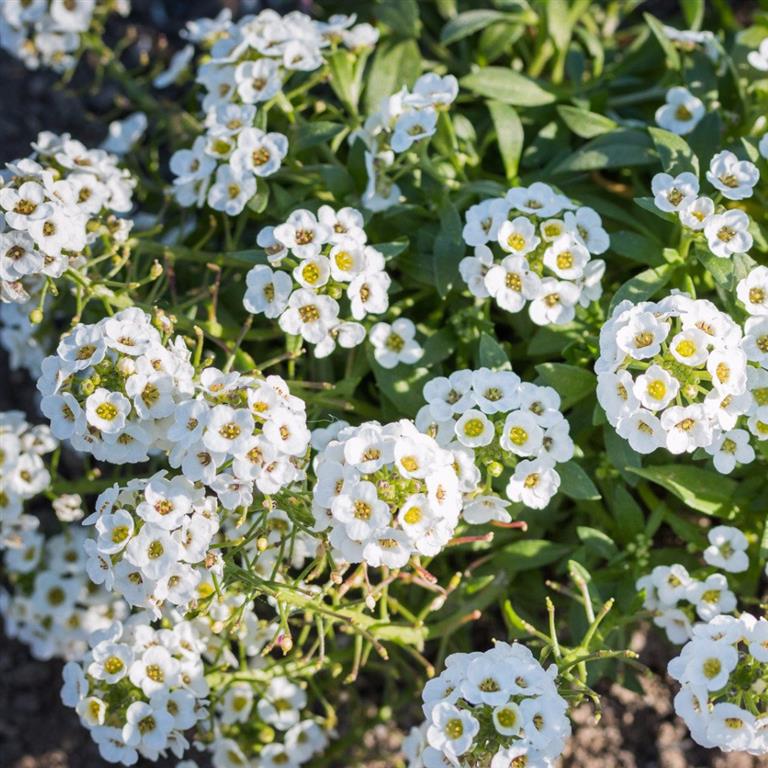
pixel 250 62
pixel 23 473
pixel 328 257
pixel 152 541
pixel 387 493
pixel 404 120
pixel 676 598
pixel 51 606
pixel 138 689
pixel 498 708
pixel 117 389
pixel 544 244
pixel 726 230
pixel 54 205
pixel 269 723
pixel 491 420
pixel 48 32
pixel 722 672
pixel 677 374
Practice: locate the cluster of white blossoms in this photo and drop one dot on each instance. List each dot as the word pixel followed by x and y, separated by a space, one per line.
pixel 51 605
pixel 263 726
pixel 386 493
pixel 403 121
pixel 23 473
pixel 249 63
pixel 324 257
pixel 491 420
pixel 118 390
pixel 54 204
pixel 726 230
pixel 48 32
pixel 138 689
pixel 534 247
pixel 723 672
pixel 152 543
pixel 676 598
pixel 499 708
pixel 678 373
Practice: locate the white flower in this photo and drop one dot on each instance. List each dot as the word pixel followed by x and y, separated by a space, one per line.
pixel 656 388
pixel 412 127
pixel 727 233
pixel 534 483
pixel 267 291
pixel 674 194
pixel 512 283
pixel 258 153
pixel 555 303
pixel 729 449
pixel 231 190
pixel 759 58
pixel 395 344
pixel 518 236
pixel 696 213
pixel 682 111
pixel 452 730
pixel 734 178
pixel 727 549
pixel 752 291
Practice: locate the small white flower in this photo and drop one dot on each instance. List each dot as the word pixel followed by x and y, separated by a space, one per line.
pixel 727 549
pixel 734 178
pixel 674 194
pixel 682 111
pixel 728 233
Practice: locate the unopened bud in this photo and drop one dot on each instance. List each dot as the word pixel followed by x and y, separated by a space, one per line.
pixel 261 543
pixel 86 387
pixel 156 270
pixel 495 468
pixel 36 316
pixel 126 366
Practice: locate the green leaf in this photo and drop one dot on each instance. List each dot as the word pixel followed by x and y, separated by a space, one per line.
pixel 584 123
pixel 597 541
pixel 491 354
pixel 402 16
pixel 627 513
pixel 674 153
pixel 720 269
pixel 636 247
pixel 509 134
pixel 575 482
pixel 571 383
pixel 396 63
pixel 619 149
pixel 641 287
pixel 390 250
pixel 708 492
pixel 507 86
pixel 469 22
pixel 449 248
pixel 670 52
pixel 526 554
pixel 314 133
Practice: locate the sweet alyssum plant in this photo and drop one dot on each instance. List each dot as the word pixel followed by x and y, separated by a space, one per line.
pixel 391 367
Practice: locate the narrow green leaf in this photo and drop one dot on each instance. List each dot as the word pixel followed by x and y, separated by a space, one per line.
pixel 619 149
pixel 396 63
pixel 641 287
pixel 575 482
pixel 699 489
pixel 597 541
pixel 507 86
pixel 584 123
pixel 670 52
pixel 469 22
pixel 509 134
pixel 571 383
pixel 674 153
pixel 530 553
pixel 491 354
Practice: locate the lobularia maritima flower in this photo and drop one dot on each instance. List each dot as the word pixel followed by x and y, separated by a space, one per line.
pixel 386 493
pixel 534 247
pixel 405 120
pixel 152 542
pixel 723 672
pixel 678 374
pixel 51 605
pixel 49 33
pixel 318 261
pixel 491 420
pixel 499 708
pixel 120 390
pixel 245 711
pixel 138 689
pixel 681 112
pixel 23 473
pixel 678 599
pixel 58 209
pixel 725 230
pixel 249 63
